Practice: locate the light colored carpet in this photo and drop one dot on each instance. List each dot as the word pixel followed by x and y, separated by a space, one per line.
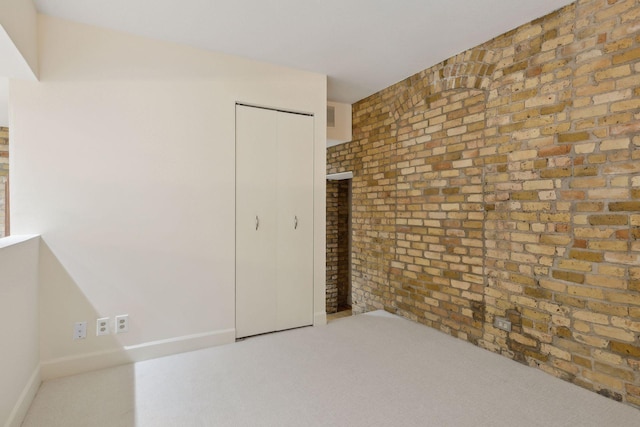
pixel 367 370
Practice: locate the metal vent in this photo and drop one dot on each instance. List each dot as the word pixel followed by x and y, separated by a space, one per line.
pixel 331 116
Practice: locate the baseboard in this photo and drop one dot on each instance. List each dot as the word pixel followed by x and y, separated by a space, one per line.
pixel 171 346
pixel 72 365
pixel 24 401
pixel 319 318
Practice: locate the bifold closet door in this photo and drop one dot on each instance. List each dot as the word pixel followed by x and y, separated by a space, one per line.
pixel 295 221
pixel 256 221
pixel 274 220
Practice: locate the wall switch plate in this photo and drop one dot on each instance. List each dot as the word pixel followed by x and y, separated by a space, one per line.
pixel 102 326
pixel 79 330
pixel 502 323
pixel 122 323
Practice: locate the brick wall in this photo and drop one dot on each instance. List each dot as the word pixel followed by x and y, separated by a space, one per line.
pixel 505 182
pixel 343 243
pixel 332 246
pixel 4 174
pixel 337 244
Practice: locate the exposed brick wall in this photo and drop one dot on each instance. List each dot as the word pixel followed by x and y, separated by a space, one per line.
pixel 506 182
pixel 332 246
pixel 343 243
pixel 4 174
pixel 337 244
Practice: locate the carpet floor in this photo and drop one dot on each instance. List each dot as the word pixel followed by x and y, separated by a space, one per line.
pixel 368 370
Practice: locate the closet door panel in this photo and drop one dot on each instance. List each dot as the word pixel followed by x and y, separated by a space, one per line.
pixel 256 221
pixel 295 221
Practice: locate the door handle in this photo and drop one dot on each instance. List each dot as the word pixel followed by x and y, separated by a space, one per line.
pixel 295 222
pixel 257 222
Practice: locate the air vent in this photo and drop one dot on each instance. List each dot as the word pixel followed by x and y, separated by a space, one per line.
pixel 331 116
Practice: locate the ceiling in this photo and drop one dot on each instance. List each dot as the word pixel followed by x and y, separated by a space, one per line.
pixel 362 46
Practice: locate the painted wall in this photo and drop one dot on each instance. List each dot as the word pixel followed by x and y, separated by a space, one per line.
pixel 18 48
pixel 341 131
pixel 4 102
pixel 123 160
pixel 18 39
pixel 4 176
pixel 19 370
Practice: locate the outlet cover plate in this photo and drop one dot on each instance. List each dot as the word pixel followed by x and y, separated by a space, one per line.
pixel 102 326
pixel 122 323
pixel 502 323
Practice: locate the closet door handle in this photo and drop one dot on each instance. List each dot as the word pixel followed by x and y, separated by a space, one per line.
pixel 257 222
pixel 295 222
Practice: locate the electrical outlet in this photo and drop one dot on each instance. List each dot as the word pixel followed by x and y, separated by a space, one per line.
pixel 102 326
pixel 79 330
pixel 502 323
pixel 122 323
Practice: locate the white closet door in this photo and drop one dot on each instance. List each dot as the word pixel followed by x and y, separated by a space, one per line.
pixel 256 221
pixel 295 221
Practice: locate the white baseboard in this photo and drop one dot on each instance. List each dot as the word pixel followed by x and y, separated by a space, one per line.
pixel 72 365
pixel 24 401
pixel 319 318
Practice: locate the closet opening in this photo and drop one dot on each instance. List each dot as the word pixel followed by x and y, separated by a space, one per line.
pixel 338 263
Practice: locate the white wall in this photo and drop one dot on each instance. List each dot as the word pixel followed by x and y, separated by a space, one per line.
pixel 18 39
pixel 341 132
pixel 19 353
pixel 123 160
pixel 4 102
pixel 18 47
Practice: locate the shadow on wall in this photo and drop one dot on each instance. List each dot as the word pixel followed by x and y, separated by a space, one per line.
pixel 116 388
pixel 62 304
pixel 19 353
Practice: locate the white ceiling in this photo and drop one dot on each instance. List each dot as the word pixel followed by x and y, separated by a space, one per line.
pixel 362 45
